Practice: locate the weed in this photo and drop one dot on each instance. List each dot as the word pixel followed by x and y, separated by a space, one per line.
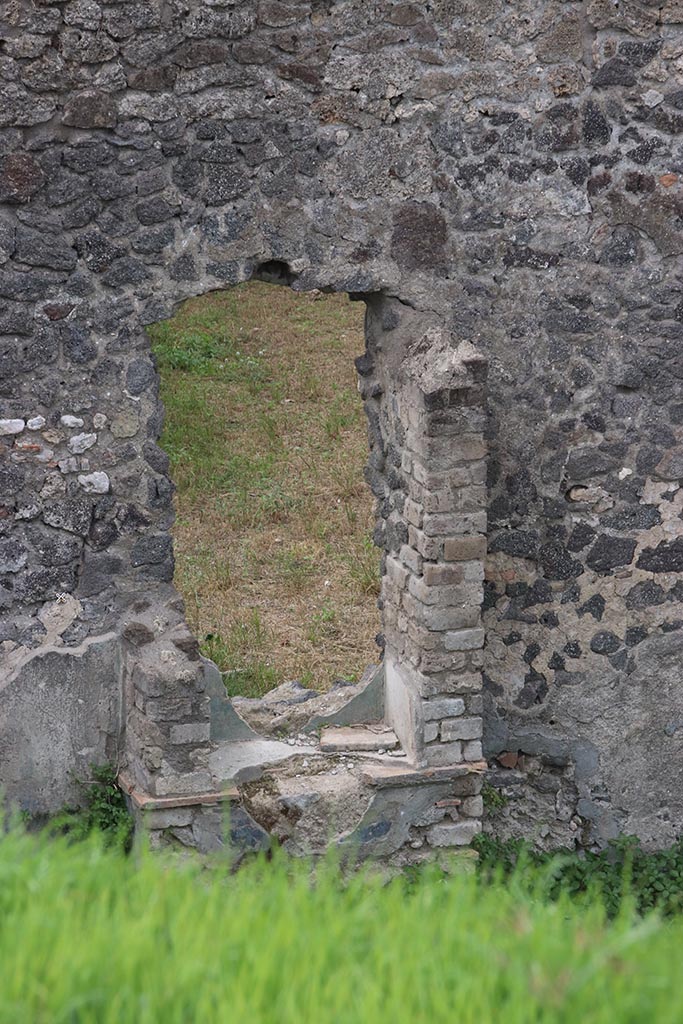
pixel 251 680
pixel 493 799
pixel 238 654
pixel 623 869
pixel 104 810
pixel 363 567
pixel 195 351
pixel 294 570
pixel 323 625
pixel 339 417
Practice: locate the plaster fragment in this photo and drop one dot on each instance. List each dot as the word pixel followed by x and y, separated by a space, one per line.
pixel 81 443
pixel 652 98
pixel 8 427
pixel 94 483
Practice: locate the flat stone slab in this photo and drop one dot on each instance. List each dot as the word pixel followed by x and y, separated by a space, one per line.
pixel 242 762
pixel 146 802
pixel 383 775
pixel 358 737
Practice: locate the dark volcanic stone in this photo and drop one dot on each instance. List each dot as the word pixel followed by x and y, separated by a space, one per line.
pixel 151 550
pixel 639 54
pixel 622 249
pixel 585 463
pixel 41 250
pixel 73 515
pixel 13 555
pixel 580 537
pixel 419 236
pixel 614 72
pixel 595 126
pixel 594 606
pixel 635 635
pixel 154 211
pixel 98 573
pixel 540 592
pixel 634 517
pixel 619 660
pixel 605 642
pixel 140 375
pixel 518 543
pixel 46 584
pixel 21 176
pixel 534 691
pixel 90 109
pixel 77 345
pixel 645 595
pixel 125 271
pixel 11 480
pixel 97 251
pixel 57 548
pixel 666 557
pixel 609 552
pixel 557 562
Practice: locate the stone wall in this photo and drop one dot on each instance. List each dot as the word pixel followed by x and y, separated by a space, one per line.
pixel 505 173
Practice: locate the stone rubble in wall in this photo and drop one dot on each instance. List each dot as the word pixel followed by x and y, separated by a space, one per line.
pixel 513 171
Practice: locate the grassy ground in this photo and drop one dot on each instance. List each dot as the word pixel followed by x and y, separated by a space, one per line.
pixel 267 439
pixel 89 937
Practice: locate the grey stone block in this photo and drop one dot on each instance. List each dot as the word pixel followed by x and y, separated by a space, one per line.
pixel 464 640
pixel 461 833
pixel 461 729
pixel 449 707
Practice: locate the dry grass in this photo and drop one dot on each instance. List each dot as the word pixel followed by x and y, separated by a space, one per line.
pixel 267 440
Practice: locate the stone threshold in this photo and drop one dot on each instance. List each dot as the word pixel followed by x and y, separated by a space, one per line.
pixel 385 776
pixel 358 739
pixel 146 802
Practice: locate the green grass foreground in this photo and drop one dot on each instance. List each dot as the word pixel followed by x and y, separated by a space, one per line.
pixel 88 935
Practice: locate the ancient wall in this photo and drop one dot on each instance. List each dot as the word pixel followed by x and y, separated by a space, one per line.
pixel 506 173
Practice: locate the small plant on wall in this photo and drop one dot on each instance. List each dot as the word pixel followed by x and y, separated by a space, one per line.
pixel 104 810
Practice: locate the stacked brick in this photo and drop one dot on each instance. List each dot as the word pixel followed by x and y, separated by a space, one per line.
pixel 432 588
pixel 167 729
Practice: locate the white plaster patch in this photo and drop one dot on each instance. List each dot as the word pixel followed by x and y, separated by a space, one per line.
pixel 652 98
pixel 58 616
pixel 81 443
pixel 94 483
pixel 71 421
pixel 27 512
pixel 8 427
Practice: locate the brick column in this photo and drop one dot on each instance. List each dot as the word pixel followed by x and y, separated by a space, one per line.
pixel 432 588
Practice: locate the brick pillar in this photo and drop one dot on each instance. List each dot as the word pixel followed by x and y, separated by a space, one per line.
pixel 432 588
pixel 167 721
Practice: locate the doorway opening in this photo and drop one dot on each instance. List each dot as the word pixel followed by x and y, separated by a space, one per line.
pixel 267 440
pixel 268 449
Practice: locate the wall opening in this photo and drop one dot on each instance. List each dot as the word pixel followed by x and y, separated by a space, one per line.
pixel 277 545
pixel 267 441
